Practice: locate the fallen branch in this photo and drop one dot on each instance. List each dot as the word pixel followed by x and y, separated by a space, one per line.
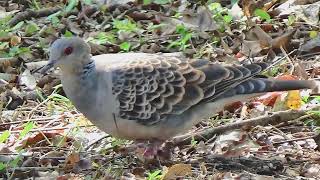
pixel 28 14
pixel 275 118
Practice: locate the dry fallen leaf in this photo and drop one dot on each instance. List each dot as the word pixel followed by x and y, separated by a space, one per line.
pixel 15 40
pixel 177 170
pixel 294 100
pixel 72 160
pixel 248 7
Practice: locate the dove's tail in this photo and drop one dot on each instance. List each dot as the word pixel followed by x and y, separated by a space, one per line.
pixel 263 85
pixel 286 85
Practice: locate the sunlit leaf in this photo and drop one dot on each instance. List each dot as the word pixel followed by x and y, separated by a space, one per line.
pixel 146 2
pixel 4 136
pixel 31 28
pixel 262 14
pixel 54 18
pixel 17 26
pixel 15 161
pixel 3 34
pixel 294 100
pixel 103 38
pixel 2 166
pixel 291 19
pixel 214 6
pixel 154 175
pixel 4 45
pixel 68 34
pixel 125 25
pixel 125 46
pixel 227 18
pixel 313 34
pixel 15 51
pixel 36 4
pixel 55 21
pixel 27 128
pixel 71 5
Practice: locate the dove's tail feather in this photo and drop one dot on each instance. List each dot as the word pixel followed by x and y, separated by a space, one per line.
pixel 285 85
pixel 263 85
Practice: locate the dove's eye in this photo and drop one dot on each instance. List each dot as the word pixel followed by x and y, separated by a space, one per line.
pixel 68 50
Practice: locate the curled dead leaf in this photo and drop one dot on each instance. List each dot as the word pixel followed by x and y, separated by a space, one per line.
pixel 72 160
pixel 15 40
pixel 177 170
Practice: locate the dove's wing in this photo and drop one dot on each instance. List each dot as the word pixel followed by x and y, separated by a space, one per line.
pixel 151 89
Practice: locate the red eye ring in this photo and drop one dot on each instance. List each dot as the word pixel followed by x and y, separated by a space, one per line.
pixel 68 50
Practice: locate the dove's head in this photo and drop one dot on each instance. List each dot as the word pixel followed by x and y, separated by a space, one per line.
pixel 68 54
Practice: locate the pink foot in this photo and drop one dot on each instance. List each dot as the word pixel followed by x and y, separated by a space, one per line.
pixel 148 151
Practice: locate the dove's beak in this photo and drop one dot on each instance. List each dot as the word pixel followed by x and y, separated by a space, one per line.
pixel 45 68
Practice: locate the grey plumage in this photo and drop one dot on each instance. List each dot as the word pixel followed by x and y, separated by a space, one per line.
pixel 150 96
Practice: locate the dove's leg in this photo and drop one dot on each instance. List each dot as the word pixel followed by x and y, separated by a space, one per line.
pixel 149 150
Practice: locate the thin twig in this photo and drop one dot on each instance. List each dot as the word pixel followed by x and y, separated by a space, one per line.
pixel 275 118
pixel 292 140
pixel 33 168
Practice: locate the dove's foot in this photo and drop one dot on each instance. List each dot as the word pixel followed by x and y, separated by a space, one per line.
pixel 152 150
pixel 148 150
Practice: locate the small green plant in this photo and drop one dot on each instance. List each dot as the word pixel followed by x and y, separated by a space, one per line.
pixel 57 102
pixel 313 34
pixel 152 26
pixel 118 142
pixel 125 25
pixel 185 37
pixel 262 14
pixel 35 4
pixel 193 142
pixel 103 38
pixel 4 136
pixel 13 163
pixel 3 166
pixel 26 129
pixel 53 18
pixel 63 102
pixel 15 51
pixel 314 121
pixel 4 23
pixel 31 28
pixel 156 175
pixel 71 5
pixel 305 99
pixel 68 34
pixel 291 19
pixel 125 46
pixel 220 14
